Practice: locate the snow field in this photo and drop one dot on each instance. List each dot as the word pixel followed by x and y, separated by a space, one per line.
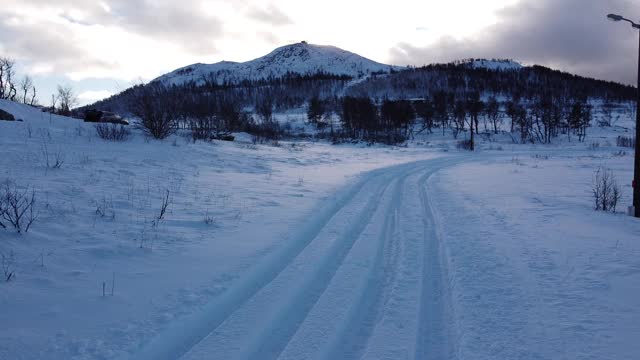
pixel 255 195
pixel 534 272
pixel 316 251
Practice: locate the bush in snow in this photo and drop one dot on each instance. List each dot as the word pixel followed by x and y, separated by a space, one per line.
pixel 51 160
pixel 265 131
pixel 606 192
pixel 166 200
pixel 7 265
pixel 208 128
pixel 156 106
pixel 624 141
pixel 208 219
pixel 112 132
pixel 17 207
pixel 203 128
pixel 104 209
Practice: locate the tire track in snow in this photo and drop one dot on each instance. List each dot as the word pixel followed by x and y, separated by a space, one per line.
pixel 186 332
pixel 392 308
pixel 352 333
pixel 353 286
pixel 273 337
pixel 433 340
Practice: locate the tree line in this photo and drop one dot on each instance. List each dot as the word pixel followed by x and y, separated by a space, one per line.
pixel 539 104
pixel 393 121
pixel 458 77
pixel 164 110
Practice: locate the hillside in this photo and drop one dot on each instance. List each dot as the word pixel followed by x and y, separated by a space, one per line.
pixel 502 78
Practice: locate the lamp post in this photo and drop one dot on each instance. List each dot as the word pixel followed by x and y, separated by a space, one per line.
pixel 636 172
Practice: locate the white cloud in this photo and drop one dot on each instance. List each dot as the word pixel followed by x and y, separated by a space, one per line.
pixel 94 94
pixel 127 39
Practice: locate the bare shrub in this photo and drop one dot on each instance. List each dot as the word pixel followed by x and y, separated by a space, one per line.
pixel 209 128
pixel 7 265
pixel 265 132
pixel 17 207
pixel 104 209
pixel 204 128
pixel 112 132
pixel 155 105
pixel 606 192
pixel 52 160
pixel 208 219
pixel 541 157
pixel 164 206
pixel 624 141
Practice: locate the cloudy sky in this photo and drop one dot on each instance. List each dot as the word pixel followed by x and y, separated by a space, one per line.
pixel 102 47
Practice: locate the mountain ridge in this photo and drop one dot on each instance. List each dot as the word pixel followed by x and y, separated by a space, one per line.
pixel 300 58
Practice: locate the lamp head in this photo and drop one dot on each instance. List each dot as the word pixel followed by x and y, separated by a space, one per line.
pixel 614 17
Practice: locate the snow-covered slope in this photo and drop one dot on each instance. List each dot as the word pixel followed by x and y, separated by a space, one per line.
pixel 297 251
pixel 300 58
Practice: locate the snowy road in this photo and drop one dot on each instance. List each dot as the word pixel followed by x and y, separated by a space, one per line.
pixel 359 279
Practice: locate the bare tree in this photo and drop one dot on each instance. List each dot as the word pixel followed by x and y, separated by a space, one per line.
pixel 459 117
pixel 474 108
pixel 26 84
pixel 66 99
pixel 579 118
pixel 607 110
pixel 264 109
pixel 33 96
pixel 492 111
pixel 7 87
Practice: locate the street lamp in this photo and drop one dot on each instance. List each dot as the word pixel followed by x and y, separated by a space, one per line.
pixel 636 172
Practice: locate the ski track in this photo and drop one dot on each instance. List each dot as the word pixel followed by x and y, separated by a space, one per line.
pixel 361 279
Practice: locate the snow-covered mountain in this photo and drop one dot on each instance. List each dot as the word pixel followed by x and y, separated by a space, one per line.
pixel 300 58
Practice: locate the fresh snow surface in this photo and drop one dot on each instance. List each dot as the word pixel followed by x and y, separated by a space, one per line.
pixel 533 271
pixel 255 196
pixel 316 251
pixel 300 58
